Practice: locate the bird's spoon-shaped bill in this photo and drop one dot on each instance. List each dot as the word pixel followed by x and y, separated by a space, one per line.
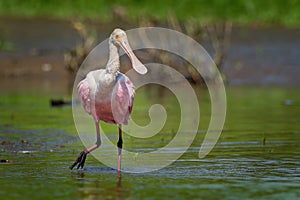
pixel 136 63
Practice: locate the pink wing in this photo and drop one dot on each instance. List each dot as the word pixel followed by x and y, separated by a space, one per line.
pixel 84 95
pixel 122 99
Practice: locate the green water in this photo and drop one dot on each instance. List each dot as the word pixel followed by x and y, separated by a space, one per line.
pixel 257 156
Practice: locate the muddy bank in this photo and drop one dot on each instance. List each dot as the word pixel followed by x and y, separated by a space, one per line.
pixel 256 56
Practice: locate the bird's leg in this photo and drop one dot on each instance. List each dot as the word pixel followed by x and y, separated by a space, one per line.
pixel 82 156
pixel 120 145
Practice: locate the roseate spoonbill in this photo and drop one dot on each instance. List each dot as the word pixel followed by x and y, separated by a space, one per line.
pixel 107 95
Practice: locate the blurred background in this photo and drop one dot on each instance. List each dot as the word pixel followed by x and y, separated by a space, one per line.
pixel 255 45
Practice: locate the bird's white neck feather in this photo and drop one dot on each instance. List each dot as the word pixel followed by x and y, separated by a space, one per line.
pixel 113 64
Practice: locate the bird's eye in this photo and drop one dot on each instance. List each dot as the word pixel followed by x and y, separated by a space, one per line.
pixel 117 36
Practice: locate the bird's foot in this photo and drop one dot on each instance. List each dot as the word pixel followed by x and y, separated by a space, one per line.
pixel 80 160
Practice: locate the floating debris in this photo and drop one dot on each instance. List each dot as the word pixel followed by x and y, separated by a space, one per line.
pixel 46 67
pixel 288 102
pixel 24 142
pixel 5 161
pixel 6 143
pixel 59 102
pixel 263 141
pixel 26 152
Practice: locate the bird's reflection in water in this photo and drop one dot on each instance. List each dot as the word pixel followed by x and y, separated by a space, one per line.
pixel 105 186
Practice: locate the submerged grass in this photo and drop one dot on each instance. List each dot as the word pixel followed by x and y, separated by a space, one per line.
pixel 239 11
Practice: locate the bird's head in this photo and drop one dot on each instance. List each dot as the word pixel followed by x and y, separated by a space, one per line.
pixel 119 39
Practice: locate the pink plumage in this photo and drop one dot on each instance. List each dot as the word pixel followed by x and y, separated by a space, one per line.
pixel 116 107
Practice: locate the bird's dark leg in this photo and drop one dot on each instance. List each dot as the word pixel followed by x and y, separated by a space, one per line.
pixel 82 156
pixel 120 145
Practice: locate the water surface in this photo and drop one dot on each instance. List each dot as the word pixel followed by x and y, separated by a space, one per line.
pixel 257 156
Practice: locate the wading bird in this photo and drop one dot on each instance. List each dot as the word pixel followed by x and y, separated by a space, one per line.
pixel 107 95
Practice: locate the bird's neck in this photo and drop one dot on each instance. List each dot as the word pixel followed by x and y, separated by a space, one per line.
pixel 113 64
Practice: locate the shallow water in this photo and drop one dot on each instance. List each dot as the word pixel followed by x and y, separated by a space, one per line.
pixel 257 156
